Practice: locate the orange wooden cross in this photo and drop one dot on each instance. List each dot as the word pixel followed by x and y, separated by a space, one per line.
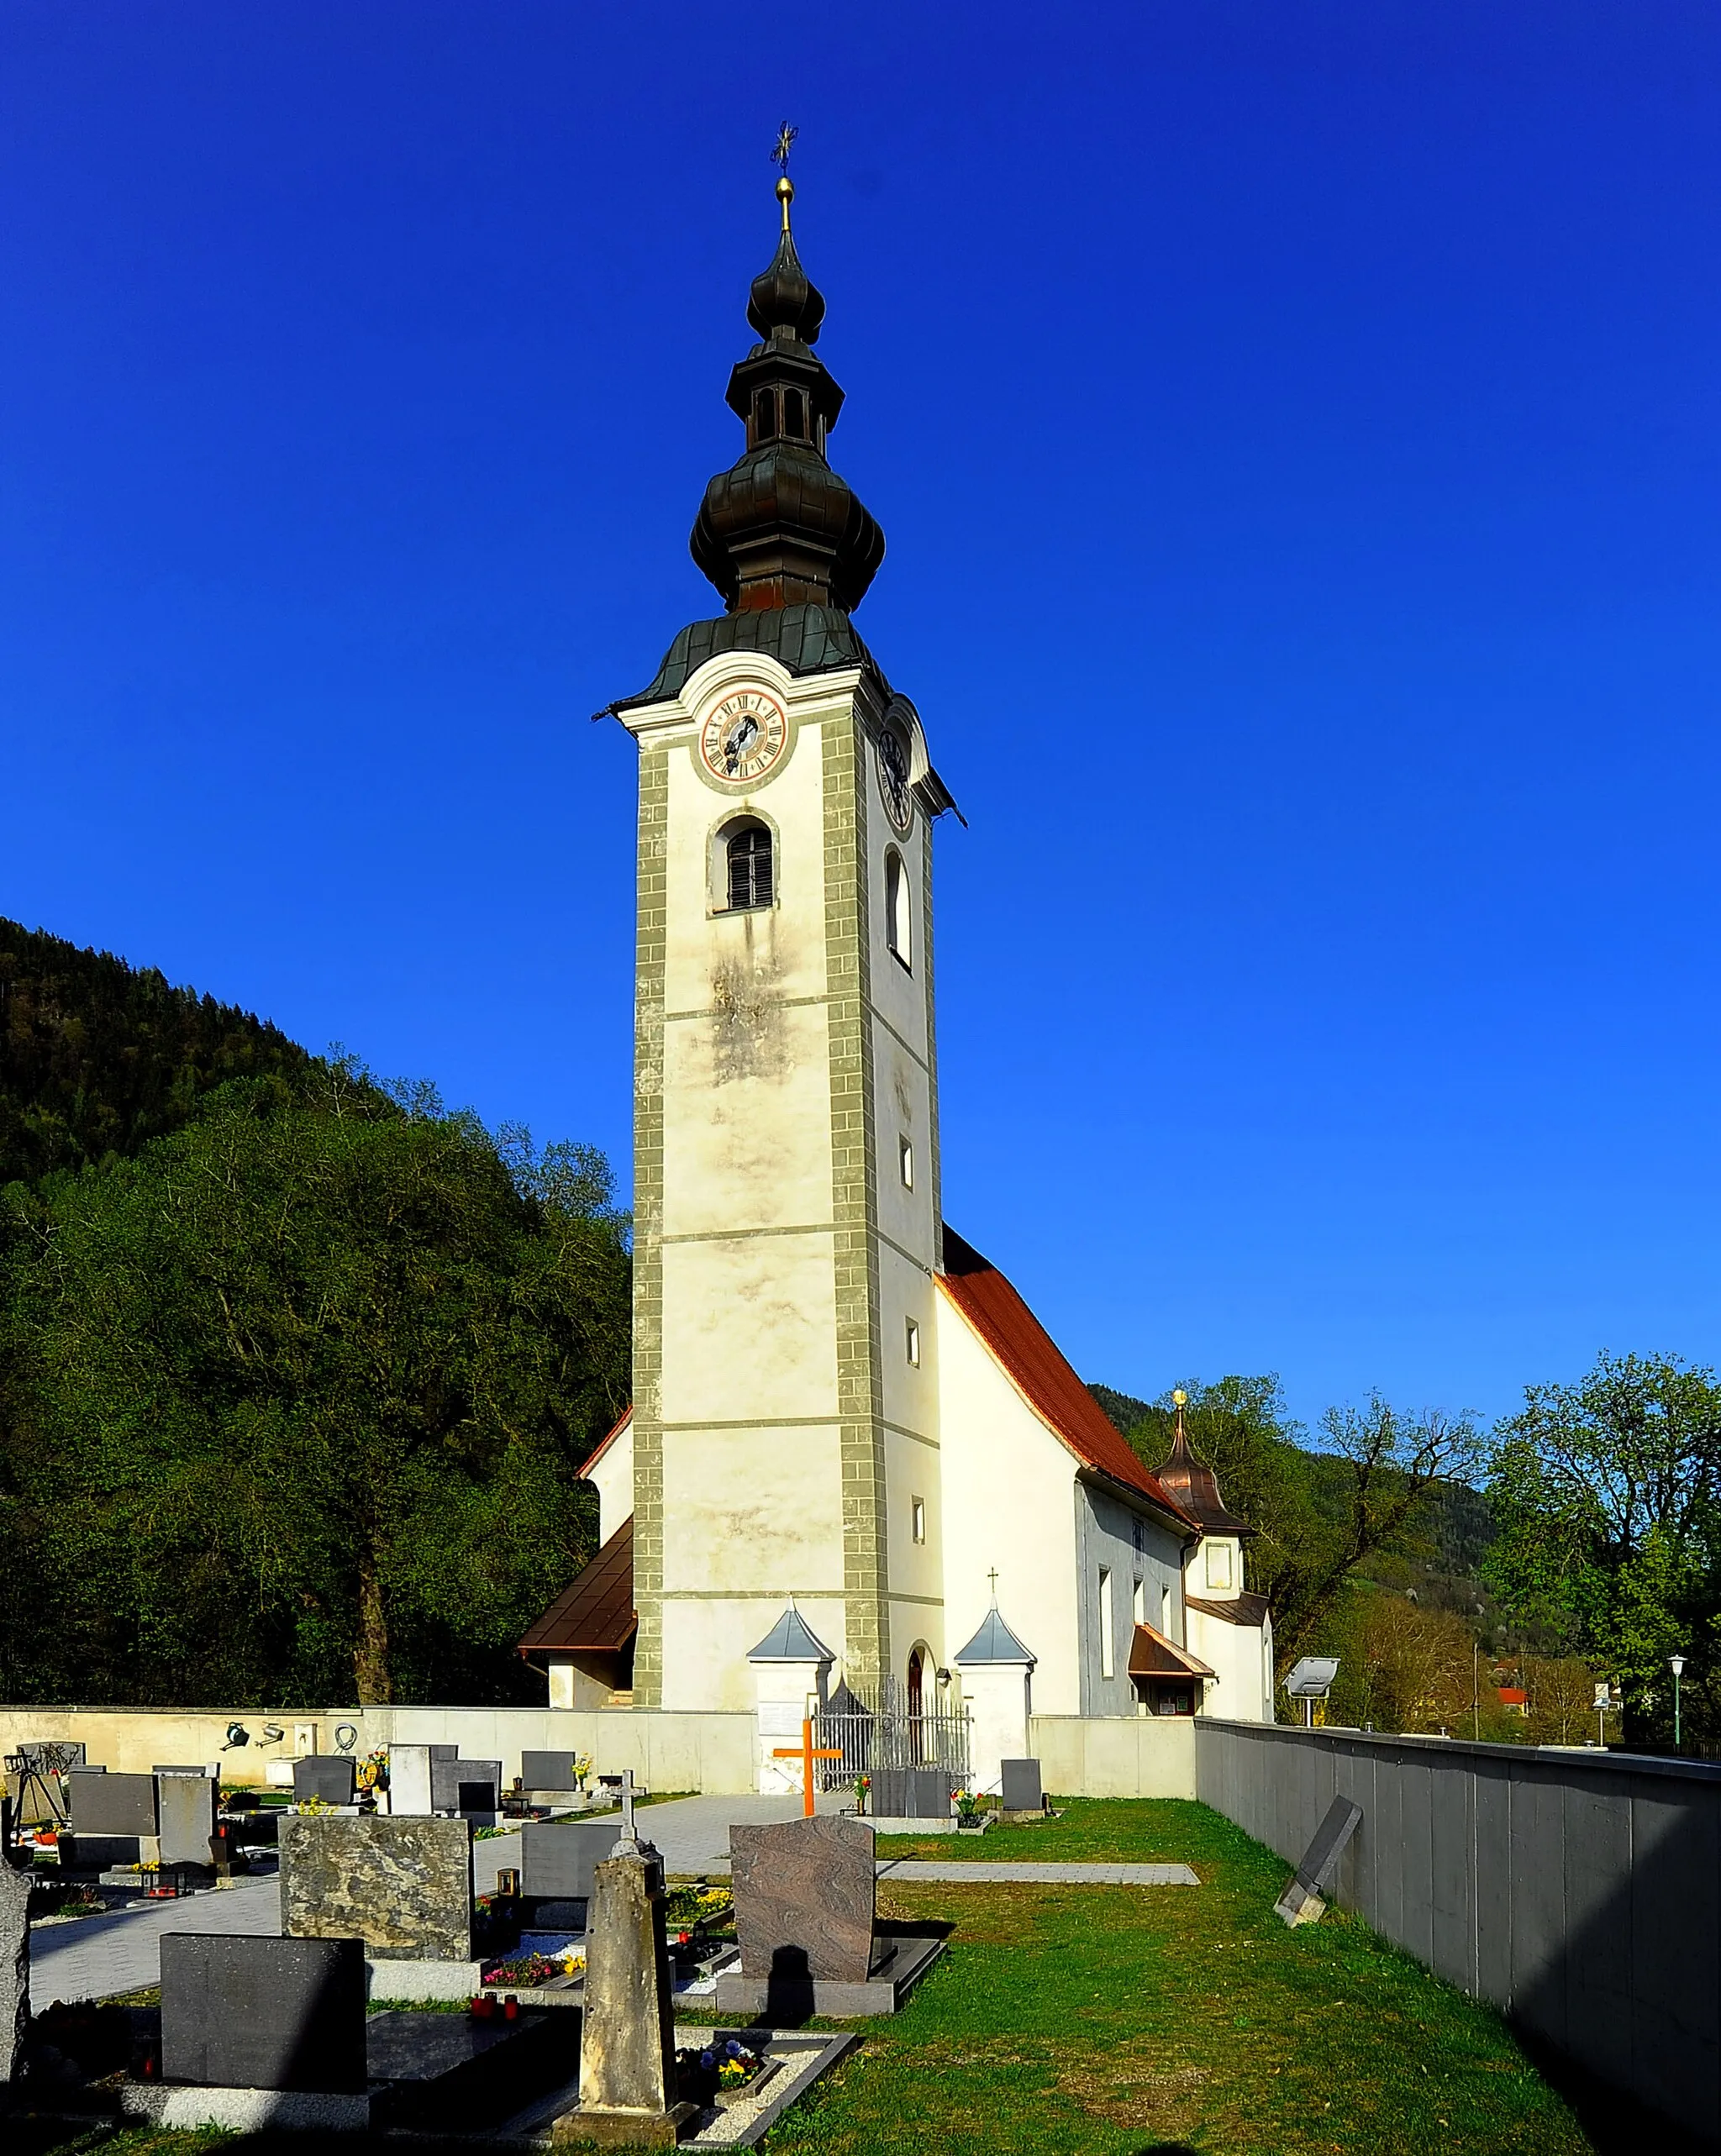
pixel 805 1753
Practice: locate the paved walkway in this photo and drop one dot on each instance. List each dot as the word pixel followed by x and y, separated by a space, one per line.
pixel 98 1956
pixel 979 1873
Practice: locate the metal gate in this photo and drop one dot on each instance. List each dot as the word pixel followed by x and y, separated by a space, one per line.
pixel 878 1728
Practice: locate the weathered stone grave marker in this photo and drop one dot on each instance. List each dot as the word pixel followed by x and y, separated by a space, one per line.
pixel 629 2096
pixel 410 1777
pixel 185 1815
pixel 14 1967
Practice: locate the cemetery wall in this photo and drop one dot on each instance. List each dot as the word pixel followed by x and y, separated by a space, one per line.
pixel 1579 1891
pixel 1119 1755
pixel 710 1752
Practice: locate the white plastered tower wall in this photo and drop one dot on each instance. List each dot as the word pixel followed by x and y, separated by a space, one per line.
pixel 780 1431
pixel 1240 1653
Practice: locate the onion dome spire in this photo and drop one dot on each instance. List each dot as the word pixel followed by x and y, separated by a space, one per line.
pixel 780 527
pixel 1193 1486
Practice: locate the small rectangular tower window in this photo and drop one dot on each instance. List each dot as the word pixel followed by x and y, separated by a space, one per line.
pixel 912 1338
pixel 1165 1611
pixel 1137 1602
pixel 905 1162
pixel 917 1516
pixel 1218 1564
pixel 1107 1660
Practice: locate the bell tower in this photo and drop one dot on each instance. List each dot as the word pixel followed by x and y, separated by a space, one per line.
pixel 786 1098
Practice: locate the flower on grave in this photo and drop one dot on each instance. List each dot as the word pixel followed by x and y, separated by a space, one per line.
pixel 733 2048
pixel 707 2058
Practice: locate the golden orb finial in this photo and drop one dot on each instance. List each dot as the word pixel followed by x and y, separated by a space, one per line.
pixel 1180 1398
pixel 785 195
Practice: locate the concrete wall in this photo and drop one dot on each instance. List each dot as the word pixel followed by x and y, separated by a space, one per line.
pixel 1579 1891
pixel 709 1752
pixel 1144 1756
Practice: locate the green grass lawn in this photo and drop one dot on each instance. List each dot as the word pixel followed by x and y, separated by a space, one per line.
pixel 1141 2021
pixel 1110 2020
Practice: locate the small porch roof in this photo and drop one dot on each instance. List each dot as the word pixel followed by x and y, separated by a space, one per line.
pixel 1152 1655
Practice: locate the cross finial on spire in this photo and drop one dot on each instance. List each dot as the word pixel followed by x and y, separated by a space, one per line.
pixel 993 1577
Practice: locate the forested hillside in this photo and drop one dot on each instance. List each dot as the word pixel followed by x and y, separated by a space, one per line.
pixel 97 1057
pixel 296 1369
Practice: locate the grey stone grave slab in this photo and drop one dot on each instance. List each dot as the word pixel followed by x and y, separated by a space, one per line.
pixel 1021 1791
pixel 556 1864
pixel 911 1793
pixel 401 1886
pixel 185 1809
pixel 1303 1901
pixel 112 1804
pixel 209 1774
pixel 470 1787
pixel 14 1967
pixel 547 1770
pixel 263 2013
pixel 447 2071
pixel 327 1776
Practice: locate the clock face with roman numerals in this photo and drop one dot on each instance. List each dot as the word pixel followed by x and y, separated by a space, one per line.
pixel 743 737
pixel 893 779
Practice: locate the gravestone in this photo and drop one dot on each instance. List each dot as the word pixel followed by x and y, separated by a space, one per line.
pixel 208 1774
pixel 628 2086
pixel 403 1887
pixel 911 1793
pixel 547 1770
pixel 263 2013
pixel 14 1967
pixel 409 1776
pixel 470 1787
pixel 325 1776
pixel 185 1811
pixel 803 1893
pixel 1021 1791
pixel 556 1864
pixel 1304 1899
pixel 112 1804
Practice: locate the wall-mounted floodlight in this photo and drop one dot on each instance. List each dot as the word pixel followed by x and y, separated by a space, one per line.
pixel 1312 1679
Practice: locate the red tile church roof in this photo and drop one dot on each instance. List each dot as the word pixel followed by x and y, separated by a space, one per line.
pixel 627 1417
pixel 1027 1356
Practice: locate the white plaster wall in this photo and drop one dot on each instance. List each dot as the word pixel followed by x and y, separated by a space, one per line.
pixel 1241 1655
pixel 612 1478
pixel 1015 1480
pixel 749 1329
pixel 1145 1756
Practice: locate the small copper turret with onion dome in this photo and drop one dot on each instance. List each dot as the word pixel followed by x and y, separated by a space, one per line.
pixel 1193 1485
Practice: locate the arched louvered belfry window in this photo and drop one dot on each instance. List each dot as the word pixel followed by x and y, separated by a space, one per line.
pixel 898 924
pixel 752 878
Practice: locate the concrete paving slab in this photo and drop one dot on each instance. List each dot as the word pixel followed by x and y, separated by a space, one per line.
pixel 99 1956
pixel 979 1874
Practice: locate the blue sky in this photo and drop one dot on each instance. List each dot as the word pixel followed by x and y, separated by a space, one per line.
pixel 1296 431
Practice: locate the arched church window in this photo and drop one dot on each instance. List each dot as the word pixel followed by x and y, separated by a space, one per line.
pixel 897 923
pixel 765 416
pixel 748 856
pixel 794 414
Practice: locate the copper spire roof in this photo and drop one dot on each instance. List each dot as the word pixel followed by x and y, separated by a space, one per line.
pixel 779 528
pixel 1196 1488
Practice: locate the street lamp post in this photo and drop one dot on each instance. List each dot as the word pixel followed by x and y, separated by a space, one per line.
pixel 1675 1662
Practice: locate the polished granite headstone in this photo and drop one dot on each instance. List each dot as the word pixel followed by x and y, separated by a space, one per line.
pixel 263 2013
pixel 803 1893
pixel 471 1787
pixel 14 1966
pixel 327 1776
pixel 1021 1791
pixel 547 1770
pixel 556 1864
pixel 401 1886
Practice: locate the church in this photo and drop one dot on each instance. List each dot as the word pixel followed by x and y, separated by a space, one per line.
pixel 855 1457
